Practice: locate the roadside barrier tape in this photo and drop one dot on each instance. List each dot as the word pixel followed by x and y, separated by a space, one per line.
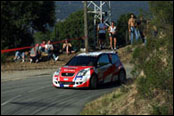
pixel 15 49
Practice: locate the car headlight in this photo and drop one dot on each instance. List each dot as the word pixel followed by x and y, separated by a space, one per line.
pixel 82 72
pixel 57 72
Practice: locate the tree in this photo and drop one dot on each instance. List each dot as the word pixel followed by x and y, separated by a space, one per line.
pixel 45 15
pixel 39 36
pixel 73 27
pixel 20 19
pixel 122 27
pixel 162 12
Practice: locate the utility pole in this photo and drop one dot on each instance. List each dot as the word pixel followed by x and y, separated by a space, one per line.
pixel 55 32
pixel 85 26
pixel 100 9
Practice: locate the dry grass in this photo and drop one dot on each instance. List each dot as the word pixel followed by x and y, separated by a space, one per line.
pixel 125 54
pixel 50 64
pixel 125 100
pixel 122 101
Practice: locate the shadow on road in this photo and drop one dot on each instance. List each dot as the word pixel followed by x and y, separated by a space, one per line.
pixel 103 86
pixel 37 104
pixel 111 85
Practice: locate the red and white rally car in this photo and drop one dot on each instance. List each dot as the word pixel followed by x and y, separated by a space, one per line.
pixel 90 70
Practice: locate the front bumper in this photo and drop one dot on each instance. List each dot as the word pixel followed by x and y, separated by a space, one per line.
pixel 64 84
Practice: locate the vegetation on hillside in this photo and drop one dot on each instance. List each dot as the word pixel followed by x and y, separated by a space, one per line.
pixel 153 62
pixel 151 91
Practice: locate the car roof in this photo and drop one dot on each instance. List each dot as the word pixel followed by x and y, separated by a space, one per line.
pixel 95 53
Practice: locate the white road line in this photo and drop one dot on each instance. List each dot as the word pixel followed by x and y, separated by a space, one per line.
pixel 10 100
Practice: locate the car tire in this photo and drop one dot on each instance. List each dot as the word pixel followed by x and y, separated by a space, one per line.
pixel 93 82
pixel 122 77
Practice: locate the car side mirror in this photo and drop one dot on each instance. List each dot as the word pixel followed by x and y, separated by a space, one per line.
pixel 99 64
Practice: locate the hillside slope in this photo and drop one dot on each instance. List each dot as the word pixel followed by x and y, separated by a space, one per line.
pixel 125 100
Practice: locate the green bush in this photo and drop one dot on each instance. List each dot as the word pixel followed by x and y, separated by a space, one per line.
pixel 155 59
pixel 3 58
pixel 157 74
pixel 115 96
pixel 124 89
pixel 159 110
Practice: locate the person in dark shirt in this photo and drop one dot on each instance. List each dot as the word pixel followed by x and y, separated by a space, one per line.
pixel 35 54
pixel 67 47
pixel 42 46
pixel 101 33
pixel 142 25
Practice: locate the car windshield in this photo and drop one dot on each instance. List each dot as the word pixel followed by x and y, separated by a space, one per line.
pixel 82 61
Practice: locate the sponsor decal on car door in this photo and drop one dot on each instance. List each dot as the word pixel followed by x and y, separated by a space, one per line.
pixel 104 68
pixel 103 72
pixel 108 74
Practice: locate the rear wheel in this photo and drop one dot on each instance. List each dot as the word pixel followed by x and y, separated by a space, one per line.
pixel 122 77
pixel 93 82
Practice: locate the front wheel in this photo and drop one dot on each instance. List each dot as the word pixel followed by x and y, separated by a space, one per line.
pixel 93 82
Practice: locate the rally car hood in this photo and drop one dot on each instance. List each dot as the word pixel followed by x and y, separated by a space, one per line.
pixel 68 73
pixel 73 69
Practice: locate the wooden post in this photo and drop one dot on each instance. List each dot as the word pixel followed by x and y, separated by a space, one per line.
pixel 126 38
pixel 85 26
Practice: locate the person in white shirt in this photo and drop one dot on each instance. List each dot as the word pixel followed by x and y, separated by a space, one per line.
pixel 112 35
pixel 49 50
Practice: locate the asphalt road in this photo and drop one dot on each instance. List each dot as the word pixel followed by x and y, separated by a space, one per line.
pixel 36 95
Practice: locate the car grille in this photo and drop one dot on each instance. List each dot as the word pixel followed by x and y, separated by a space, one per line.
pixel 66 83
pixel 67 74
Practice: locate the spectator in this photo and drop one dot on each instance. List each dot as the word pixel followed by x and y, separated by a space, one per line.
pixel 132 28
pixel 146 31
pixel 142 26
pixel 19 55
pixel 101 33
pixel 35 54
pixel 137 32
pixel 155 31
pixel 67 47
pixel 42 46
pixel 49 50
pixel 112 35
